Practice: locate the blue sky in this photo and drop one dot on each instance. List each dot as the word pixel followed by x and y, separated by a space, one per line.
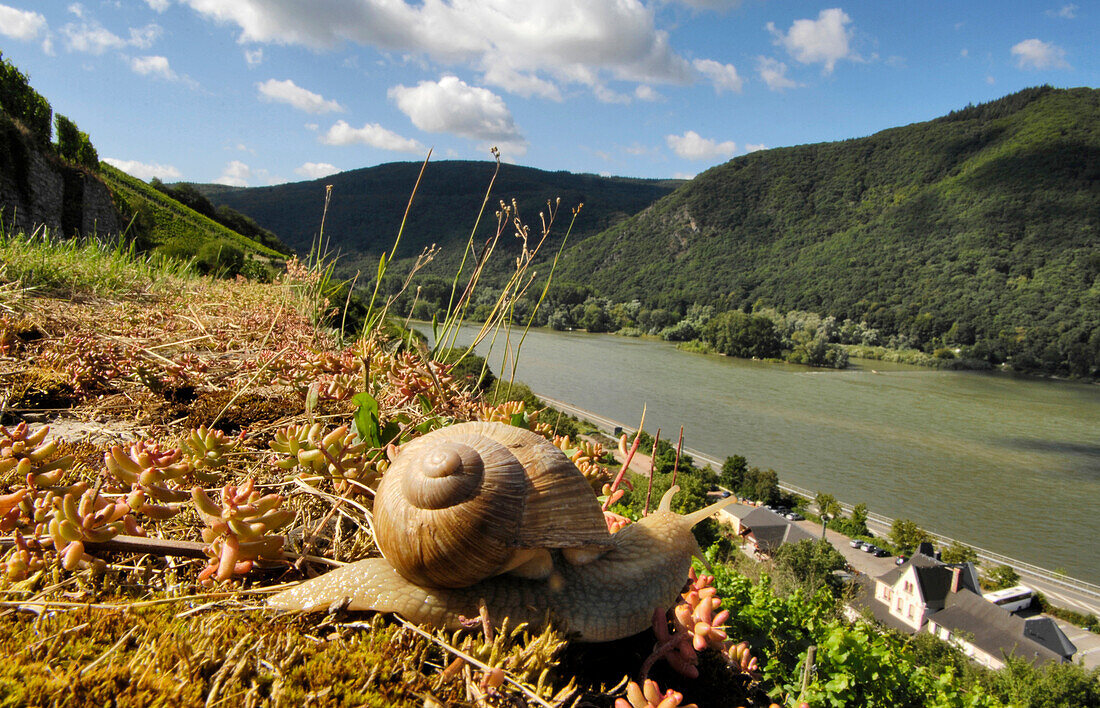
pixel 256 92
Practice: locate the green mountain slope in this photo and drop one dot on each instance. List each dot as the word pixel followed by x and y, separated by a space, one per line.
pixel 367 206
pixel 166 224
pixel 979 227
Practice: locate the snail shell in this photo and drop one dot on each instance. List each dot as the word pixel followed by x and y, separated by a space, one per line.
pixel 474 500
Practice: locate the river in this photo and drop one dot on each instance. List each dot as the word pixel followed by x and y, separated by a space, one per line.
pixel 1005 463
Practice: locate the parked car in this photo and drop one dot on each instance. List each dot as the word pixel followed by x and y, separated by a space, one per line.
pixel 795 516
pixel 855 543
pixel 881 553
pixel 868 548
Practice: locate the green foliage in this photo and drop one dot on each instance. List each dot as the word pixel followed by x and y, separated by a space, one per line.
pixel 973 233
pixel 230 218
pixel 959 553
pixel 74 145
pixel 738 334
pixel 23 103
pixel 827 508
pixel 160 223
pixel 905 535
pixel 812 562
pixel 219 258
pixel 853 525
pixel 368 206
pixel 1000 577
pixel 1049 686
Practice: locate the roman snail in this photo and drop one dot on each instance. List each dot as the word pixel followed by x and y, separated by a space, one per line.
pixel 488 512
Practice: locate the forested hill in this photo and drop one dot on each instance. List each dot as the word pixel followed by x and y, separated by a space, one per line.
pixel 368 204
pixel 980 226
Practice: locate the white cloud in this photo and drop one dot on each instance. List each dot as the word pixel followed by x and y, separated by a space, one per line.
pixel 370 134
pixel 145 170
pixel 1066 12
pixel 152 66
pixel 529 47
pixel 157 5
pixel 452 106
pixel 94 38
pixel 316 170
pixel 76 9
pixel 646 93
pixel 1036 54
pixel 235 174
pixel 824 40
pixel 21 24
pixel 144 37
pixel 692 146
pixel 289 93
pixel 723 76
pixel 774 73
pixel 753 147
pixel 254 57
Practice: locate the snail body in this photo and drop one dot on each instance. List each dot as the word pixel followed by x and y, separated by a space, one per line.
pixel 596 585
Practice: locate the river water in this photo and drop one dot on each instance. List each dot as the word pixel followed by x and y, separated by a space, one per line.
pixel 1003 463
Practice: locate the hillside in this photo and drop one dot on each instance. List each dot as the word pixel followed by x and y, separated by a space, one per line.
pixel 51 176
pixel 368 204
pixel 978 228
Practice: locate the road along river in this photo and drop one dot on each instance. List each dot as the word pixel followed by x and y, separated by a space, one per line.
pixel 1005 463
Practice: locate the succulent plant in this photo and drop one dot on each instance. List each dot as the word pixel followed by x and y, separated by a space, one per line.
pixel 238 529
pixel 649 695
pixel 206 449
pixel 335 454
pixel 23 559
pixel 92 518
pixel 28 456
pixel 160 473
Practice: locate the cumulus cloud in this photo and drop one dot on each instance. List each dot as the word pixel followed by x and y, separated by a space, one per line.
pixel 774 73
pixel 529 47
pixel 450 105
pixel 21 24
pixel 692 146
pixel 157 5
pixel 753 147
pixel 824 40
pixel 254 57
pixel 152 66
pixel 1036 54
pixel 94 38
pixel 646 93
pixel 145 170
pixel 293 95
pixel 723 76
pixel 235 174
pixel 370 134
pixel 1066 12
pixel 316 170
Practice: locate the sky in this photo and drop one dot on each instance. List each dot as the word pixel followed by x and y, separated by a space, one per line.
pixel 259 92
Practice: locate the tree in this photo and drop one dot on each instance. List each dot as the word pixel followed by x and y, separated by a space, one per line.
pixel 959 553
pixel 812 562
pixel 906 535
pixel 742 335
pixel 1001 577
pixel 733 472
pixel 827 507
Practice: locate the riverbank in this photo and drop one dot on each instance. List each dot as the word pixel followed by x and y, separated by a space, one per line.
pixel 1074 593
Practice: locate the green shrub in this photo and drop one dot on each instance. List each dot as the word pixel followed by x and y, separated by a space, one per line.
pixel 219 258
pixel 22 102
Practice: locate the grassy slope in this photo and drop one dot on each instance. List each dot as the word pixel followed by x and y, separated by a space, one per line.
pixel 989 217
pixel 175 228
pixel 368 204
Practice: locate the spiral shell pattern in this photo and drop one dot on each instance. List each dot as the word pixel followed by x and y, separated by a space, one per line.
pixel 467 502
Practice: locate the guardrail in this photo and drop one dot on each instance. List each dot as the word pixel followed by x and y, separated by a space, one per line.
pixel 1082 586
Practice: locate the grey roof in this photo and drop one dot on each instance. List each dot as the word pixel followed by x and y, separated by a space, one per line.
pixel 1046 631
pixel 998 632
pixel 934 577
pixel 770 530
